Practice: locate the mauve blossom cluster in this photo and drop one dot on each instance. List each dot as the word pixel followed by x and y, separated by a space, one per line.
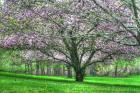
pixel 82 6
pixel 118 9
pixel 25 14
pixel 25 40
pixel 33 39
pixel 107 26
pixel 33 55
pixel 10 41
pixel 116 6
pixel 118 49
pixel 31 13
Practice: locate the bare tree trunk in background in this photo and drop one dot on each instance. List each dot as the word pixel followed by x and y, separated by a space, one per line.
pixel 91 70
pixel 42 67
pixel 63 69
pixel 69 72
pixel 42 71
pixel 94 69
pixel 116 70
pixel 26 68
pixel 48 71
pixel 37 68
pixel 30 67
pixel 59 71
pixel 52 71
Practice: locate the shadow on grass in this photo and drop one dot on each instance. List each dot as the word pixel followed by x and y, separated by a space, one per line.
pixel 33 77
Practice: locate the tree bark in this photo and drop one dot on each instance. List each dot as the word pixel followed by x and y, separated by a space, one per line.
pixel 116 70
pixel 69 72
pixel 79 77
pixel 42 68
pixel 37 68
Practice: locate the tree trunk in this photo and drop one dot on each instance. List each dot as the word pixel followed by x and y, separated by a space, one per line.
pixel 31 68
pixel 37 68
pixel 116 70
pixel 63 70
pixel 79 77
pixel 25 68
pixel 69 72
pixel 42 67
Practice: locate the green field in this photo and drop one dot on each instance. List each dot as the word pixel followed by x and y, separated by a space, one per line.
pixel 19 83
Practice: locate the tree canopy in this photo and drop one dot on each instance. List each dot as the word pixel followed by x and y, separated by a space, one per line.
pixel 76 32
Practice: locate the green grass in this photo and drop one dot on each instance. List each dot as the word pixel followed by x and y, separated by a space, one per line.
pixel 20 83
pixel 127 81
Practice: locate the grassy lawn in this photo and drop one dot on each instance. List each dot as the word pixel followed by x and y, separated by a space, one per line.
pixel 19 83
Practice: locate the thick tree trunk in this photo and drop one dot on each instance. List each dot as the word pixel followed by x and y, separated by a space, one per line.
pixel 79 77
